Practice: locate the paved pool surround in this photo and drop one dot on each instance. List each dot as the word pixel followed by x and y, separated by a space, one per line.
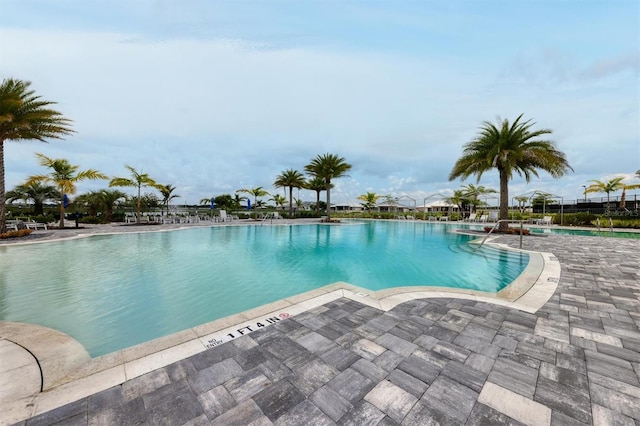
pixel 561 344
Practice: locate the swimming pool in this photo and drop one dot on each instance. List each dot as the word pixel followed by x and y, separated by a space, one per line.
pixel 113 291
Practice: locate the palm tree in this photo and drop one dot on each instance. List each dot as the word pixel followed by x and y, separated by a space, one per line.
pixel 23 117
pixel 92 201
pixel 109 198
pixel 137 180
pixel 328 167
pixel 607 186
pixel 278 200
pixel 64 176
pixel 256 192
pixel 36 192
pixel 370 199
pixel 509 148
pixel 292 179
pixel 167 196
pixel 472 194
pixel 318 185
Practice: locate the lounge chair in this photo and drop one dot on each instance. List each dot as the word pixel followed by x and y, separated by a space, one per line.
pixel 547 220
pixel 483 218
pixel 35 225
pixel 493 216
pixel 471 218
pixel 444 218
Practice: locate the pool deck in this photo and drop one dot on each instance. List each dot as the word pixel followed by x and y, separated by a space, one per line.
pixel 565 350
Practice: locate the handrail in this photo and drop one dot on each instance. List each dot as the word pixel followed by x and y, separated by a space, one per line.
pixel 496 225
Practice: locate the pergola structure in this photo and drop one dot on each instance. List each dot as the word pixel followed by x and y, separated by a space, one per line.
pixel 545 196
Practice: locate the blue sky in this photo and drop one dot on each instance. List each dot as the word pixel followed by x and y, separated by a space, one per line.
pixel 214 96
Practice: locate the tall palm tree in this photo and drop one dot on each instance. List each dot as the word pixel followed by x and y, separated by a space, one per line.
pixel 137 180
pixel 328 167
pixel 607 186
pixel 167 195
pixel 64 176
pixel 25 116
pixel 292 179
pixel 369 200
pixel 256 192
pixel 318 185
pixel 510 148
pixel 36 192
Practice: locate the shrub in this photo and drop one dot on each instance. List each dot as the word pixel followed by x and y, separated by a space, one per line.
pixel 15 234
pixel 579 219
pixel 91 220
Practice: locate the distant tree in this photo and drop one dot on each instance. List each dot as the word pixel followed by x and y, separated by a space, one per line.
pixel 509 148
pixel 137 180
pixel 110 198
pixel 369 200
pixel 36 192
pixel 24 116
pixel 64 176
pixel 607 186
pixel 224 202
pixel 318 185
pixel 473 193
pixel 290 179
pixel 167 195
pixel 328 167
pixel 522 202
pixel 90 201
pixel 256 192
pixel 278 200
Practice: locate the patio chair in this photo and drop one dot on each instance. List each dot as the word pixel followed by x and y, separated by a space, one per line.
pixel 546 220
pixel 493 216
pixel 483 218
pixel 471 218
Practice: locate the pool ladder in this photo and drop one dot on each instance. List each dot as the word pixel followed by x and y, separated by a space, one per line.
pixel 610 224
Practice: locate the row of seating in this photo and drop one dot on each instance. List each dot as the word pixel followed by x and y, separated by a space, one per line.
pixel 14 225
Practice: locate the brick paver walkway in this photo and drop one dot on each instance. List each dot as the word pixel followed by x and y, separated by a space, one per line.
pixel 428 361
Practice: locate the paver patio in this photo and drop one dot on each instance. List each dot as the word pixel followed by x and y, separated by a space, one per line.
pixel 427 361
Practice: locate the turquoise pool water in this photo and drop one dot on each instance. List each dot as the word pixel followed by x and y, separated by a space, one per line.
pixel 587 232
pixel 114 291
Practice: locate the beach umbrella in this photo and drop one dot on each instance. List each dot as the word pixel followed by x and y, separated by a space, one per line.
pixel 212 203
pixel 248 204
pixel 65 201
pixel 623 198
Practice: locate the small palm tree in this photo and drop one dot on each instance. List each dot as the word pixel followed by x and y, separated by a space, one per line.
pixel 369 200
pixel 328 167
pixel 64 176
pixel 36 192
pixel 167 195
pixel 137 180
pixel 292 179
pixel 509 148
pixel 256 192
pixel 318 185
pixel 278 200
pixel 473 193
pixel 607 186
pixel 25 116
pixel 109 198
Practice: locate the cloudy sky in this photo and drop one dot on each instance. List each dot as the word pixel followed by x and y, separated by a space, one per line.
pixel 214 96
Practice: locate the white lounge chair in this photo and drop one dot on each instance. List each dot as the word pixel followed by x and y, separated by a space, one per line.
pixel 444 218
pixel 35 225
pixel 493 216
pixel 483 218
pixel 471 218
pixel 546 220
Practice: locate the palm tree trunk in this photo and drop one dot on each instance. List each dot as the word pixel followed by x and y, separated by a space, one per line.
pixel 328 200
pixel 504 201
pixel 3 224
pixel 290 202
pixel 138 208
pixel 61 224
